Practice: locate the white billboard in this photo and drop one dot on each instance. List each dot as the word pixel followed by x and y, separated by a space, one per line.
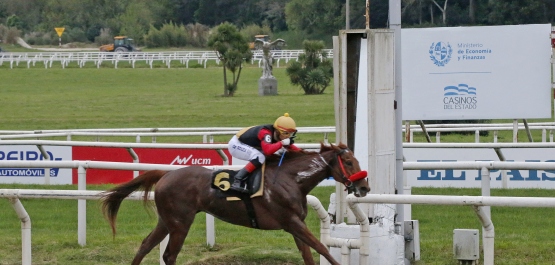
pixel 34 175
pixel 541 179
pixel 492 72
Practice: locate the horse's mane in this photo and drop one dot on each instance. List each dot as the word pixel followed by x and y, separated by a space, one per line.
pixel 274 159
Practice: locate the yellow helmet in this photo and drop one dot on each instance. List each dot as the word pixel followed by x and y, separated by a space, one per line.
pixel 285 124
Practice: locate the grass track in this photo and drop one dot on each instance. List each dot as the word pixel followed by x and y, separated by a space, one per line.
pixel 38 98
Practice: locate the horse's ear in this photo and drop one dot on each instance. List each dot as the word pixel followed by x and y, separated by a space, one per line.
pixel 324 147
pixel 342 146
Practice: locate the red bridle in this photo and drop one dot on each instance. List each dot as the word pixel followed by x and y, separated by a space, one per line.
pixel 352 178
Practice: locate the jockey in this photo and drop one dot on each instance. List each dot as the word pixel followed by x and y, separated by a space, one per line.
pixel 256 142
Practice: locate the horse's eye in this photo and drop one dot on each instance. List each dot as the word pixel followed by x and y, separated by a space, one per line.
pixel 349 163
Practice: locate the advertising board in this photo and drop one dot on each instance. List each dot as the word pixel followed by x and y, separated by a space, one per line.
pixel 544 179
pixel 185 157
pixel 34 175
pixel 487 72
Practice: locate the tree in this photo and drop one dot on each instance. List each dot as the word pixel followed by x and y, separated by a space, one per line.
pixel 313 71
pixel 513 12
pixel 443 10
pixel 315 16
pixel 232 50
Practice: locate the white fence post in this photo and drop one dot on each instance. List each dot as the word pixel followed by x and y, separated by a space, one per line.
pixel 82 207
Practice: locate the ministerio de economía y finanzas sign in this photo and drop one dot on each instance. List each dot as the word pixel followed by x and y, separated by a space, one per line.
pixel 493 72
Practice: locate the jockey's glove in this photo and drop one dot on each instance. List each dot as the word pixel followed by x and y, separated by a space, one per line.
pixel 286 142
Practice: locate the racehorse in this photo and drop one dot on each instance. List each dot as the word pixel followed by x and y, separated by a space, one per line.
pixel 180 194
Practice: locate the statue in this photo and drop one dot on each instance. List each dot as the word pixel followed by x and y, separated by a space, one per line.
pixel 267 84
pixel 267 59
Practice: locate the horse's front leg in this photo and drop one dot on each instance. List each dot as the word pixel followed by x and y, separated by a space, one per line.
pixel 303 238
pixel 305 251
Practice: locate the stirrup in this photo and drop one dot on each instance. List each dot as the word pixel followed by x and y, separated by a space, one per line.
pixel 239 188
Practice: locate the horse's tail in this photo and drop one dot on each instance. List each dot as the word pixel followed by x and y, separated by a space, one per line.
pixel 112 198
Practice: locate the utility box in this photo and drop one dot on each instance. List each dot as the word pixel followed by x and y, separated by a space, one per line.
pixel 466 245
pixel 412 240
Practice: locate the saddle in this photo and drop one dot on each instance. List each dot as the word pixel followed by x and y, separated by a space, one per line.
pixel 222 179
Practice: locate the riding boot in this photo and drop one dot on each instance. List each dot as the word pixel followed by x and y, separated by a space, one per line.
pixel 240 182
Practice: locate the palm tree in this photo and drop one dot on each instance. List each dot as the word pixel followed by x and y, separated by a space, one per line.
pixel 232 49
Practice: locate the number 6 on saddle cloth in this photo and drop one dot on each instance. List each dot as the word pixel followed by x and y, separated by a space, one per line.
pixel 222 179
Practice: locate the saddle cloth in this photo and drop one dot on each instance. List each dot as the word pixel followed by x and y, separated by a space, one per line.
pixel 222 179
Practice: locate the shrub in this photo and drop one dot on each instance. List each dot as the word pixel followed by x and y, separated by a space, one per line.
pixel 170 35
pixel 74 35
pixel 198 34
pixel 9 35
pixel 105 37
pixel 251 30
pixel 39 38
pixel 313 71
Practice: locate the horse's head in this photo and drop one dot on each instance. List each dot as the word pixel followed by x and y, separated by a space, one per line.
pixel 346 169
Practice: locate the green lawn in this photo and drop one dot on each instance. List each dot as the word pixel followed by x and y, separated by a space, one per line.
pixel 73 98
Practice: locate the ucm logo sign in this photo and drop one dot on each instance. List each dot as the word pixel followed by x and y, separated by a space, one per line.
pixel 190 160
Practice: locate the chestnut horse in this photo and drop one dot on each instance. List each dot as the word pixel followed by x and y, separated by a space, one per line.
pixel 182 193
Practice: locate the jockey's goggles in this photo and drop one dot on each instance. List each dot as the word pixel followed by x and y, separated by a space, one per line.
pixel 286 133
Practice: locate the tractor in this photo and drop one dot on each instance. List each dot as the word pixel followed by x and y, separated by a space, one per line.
pixel 258 45
pixel 121 44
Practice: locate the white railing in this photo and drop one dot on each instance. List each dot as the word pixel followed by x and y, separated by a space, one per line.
pixel 206 133
pixel 481 206
pixel 546 128
pixel 13 195
pixel 81 195
pixel 81 59
pixel 478 202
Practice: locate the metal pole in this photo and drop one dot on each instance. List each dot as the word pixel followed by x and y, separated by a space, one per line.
pixel 25 231
pixel 46 170
pixel 82 207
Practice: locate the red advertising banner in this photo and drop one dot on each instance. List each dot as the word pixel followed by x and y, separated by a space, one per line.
pixel 185 157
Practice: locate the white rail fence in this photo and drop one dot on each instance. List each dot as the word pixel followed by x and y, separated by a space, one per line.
pixel 81 195
pixel 81 59
pixel 479 203
pixel 206 133
pixel 546 129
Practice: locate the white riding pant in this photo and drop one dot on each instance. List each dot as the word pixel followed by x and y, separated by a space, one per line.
pixel 244 152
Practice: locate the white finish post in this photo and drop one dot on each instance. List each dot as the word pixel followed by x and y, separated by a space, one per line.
pixel 380 137
pixel 340 95
pixel 81 207
pixel 25 230
pixel 395 25
pixel 378 141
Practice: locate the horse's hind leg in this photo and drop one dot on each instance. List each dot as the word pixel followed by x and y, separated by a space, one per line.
pixel 178 228
pixel 153 239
